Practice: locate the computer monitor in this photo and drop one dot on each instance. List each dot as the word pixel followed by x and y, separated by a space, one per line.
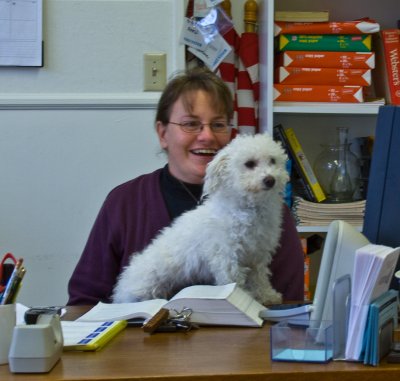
pixel 342 241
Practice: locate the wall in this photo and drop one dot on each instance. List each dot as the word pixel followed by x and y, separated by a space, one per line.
pixel 72 130
pixel 56 168
pixel 96 47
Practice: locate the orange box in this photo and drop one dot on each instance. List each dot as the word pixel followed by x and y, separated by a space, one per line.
pixel 346 60
pixel 325 42
pixel 318 93
pixel 366 26
pixel 325 76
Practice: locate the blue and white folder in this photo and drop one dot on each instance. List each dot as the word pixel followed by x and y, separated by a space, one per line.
pixel 89 336
pixel 381 321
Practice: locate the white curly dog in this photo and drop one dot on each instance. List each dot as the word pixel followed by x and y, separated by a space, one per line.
pixel 231 237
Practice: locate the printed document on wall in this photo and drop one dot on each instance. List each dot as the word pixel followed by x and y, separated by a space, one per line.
pixel 21 32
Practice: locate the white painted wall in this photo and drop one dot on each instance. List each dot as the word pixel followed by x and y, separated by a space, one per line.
pixel 74 129
pixel 56 168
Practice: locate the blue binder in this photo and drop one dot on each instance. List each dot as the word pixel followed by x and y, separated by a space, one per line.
pixel 382 213
pixel 382 320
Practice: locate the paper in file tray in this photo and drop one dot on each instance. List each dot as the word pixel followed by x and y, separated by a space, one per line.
pixel 381 321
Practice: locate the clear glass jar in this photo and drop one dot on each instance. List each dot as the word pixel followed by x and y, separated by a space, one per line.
pixel 338 169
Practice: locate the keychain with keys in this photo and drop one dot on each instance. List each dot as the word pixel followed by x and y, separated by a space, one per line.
pixel 162 321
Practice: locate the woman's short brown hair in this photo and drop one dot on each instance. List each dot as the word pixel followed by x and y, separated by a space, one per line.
pixel 185 84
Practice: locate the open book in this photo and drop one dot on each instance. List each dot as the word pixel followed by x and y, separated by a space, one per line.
pixel 210 305
pixel 372 273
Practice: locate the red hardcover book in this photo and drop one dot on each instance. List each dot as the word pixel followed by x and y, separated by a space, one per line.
pixel 322 76
pixel 318 93
pixel 330 27
pixel 345 60
pixel 387 73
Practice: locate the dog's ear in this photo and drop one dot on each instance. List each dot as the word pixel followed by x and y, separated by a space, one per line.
pixel 216 172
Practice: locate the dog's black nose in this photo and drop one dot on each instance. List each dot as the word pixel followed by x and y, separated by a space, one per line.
pixel 269 182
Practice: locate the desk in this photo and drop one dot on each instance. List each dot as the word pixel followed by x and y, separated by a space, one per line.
pixel 206 354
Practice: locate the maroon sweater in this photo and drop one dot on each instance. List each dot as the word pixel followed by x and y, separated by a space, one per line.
pixel 131 216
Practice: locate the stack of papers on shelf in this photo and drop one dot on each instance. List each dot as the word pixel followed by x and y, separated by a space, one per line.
pixel 372 273
pixel 307 213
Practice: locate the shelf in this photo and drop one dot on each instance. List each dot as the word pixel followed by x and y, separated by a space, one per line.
pixel 318 229
pixel 315 122
pixel 368 108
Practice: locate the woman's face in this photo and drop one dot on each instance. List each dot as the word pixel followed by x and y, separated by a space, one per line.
pixel 189 153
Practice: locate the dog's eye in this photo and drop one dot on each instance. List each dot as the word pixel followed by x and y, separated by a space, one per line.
pixel 272 160
pixel 250 164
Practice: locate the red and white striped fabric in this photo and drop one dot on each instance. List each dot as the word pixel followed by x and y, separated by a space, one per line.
pixel 228 69
pixel 240 71
pixel 248 85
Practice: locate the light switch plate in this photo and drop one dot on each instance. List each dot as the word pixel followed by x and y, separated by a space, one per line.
pixel 155 71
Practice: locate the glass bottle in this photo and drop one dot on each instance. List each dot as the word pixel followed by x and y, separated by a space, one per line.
pixel 338 169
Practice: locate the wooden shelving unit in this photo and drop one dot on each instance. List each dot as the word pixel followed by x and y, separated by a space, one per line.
pixel 314 123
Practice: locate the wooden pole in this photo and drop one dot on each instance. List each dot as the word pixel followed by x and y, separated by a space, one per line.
pixel 227 7
pixel 250 16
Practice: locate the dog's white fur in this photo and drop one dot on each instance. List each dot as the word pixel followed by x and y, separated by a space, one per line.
pixel 231 237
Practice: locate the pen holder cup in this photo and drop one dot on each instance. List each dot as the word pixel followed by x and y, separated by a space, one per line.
pixel 7 324
pixel 302 341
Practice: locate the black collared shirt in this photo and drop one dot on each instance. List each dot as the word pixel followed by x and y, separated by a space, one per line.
pixel 176 197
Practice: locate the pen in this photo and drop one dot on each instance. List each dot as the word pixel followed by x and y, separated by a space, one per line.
pixel 16 287
pixel 11 282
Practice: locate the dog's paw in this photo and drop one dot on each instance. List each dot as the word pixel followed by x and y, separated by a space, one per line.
pixel 272 297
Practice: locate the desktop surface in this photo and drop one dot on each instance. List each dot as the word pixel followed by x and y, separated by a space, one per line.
pixel 209 353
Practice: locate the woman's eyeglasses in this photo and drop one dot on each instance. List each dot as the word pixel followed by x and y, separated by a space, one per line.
pixel 195 126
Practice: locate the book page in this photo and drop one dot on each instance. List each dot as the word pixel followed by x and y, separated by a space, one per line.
pixel 123 311
pixel 218 305
pixel 385 274
pixel 373 270
pixel 206 292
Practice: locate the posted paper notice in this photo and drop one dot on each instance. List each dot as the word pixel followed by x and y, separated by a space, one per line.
pixel 21 32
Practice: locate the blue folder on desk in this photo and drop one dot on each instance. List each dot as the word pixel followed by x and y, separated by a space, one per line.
pixel 381 321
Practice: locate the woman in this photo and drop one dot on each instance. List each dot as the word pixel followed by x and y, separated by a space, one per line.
pixel 192 123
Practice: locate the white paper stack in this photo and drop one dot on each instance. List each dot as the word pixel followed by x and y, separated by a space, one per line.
pixel 373 271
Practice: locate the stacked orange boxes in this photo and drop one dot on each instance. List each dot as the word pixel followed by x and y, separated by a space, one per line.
pixel 323 61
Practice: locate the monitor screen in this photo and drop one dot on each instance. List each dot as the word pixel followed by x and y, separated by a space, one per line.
pixel 342 241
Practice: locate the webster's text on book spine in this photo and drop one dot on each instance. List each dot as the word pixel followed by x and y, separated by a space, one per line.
pixel 391 50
